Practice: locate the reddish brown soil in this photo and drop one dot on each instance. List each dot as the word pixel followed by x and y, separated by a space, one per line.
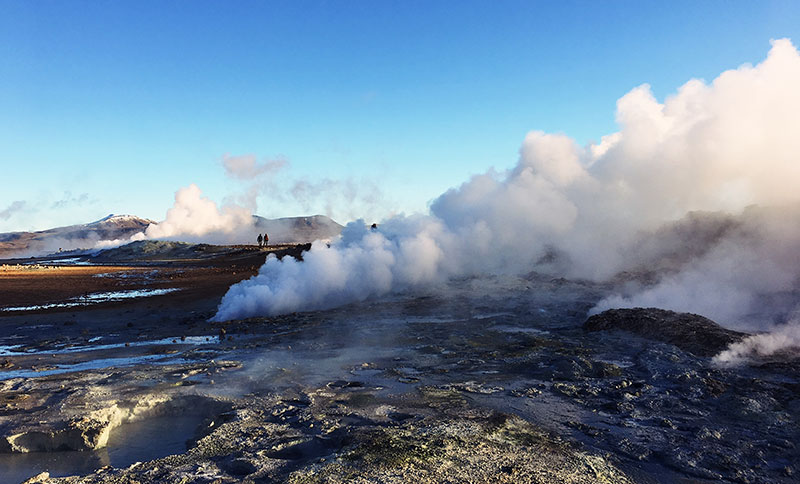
pixel 201 286
pixel 58 284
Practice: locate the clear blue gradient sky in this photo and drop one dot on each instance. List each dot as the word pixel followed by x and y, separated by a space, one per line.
pixel 110 106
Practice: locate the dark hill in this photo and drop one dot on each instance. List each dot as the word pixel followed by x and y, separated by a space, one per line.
pixel 690 332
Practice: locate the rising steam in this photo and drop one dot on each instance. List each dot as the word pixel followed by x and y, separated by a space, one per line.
pixel 619 206
pixel 12 209
pixel 271 180
pixel 785 338
pixel 195 218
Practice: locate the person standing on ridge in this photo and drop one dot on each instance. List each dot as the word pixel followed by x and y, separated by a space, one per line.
pixel 266 239
pixel 259 240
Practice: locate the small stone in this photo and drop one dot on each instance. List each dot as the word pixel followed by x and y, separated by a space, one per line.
pixel 43 477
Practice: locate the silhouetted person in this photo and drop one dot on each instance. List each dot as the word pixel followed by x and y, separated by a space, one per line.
pixel 266 239
pixel 260 240
pixel 374 227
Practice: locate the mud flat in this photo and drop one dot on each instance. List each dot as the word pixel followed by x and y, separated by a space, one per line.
pixel 485 380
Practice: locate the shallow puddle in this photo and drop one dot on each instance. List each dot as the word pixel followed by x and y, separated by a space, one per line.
pixel 504 328
pixel 69 261
pixel 16 350
pixel 97 364
pixel 133 442
pixel 96 298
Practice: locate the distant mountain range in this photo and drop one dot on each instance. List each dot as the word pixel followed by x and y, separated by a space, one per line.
pixel 122 227
pixel 297 230
pixel 112 227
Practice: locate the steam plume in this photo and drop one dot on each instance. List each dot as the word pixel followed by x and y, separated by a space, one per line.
pixel 12 209
pixel 597 211
pixel 246 167
pixel 781 339
pixel 195 218
pixel 340 199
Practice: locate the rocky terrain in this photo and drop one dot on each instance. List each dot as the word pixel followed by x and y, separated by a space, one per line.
pixel 489 379
pixel 690 332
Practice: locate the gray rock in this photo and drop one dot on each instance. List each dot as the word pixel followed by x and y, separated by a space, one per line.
pixel 689 332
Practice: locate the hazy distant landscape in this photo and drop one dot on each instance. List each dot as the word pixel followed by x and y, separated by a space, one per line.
pixel 439 242
pixel 116 230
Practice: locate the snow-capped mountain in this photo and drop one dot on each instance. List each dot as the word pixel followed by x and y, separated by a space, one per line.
pixel 72 237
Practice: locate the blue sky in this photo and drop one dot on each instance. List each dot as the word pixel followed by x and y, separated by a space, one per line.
pixel 113 106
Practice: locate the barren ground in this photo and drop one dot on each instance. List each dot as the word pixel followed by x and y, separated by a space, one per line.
pixel 485 380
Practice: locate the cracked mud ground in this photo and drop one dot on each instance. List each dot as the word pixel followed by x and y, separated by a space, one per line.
pixel 487 380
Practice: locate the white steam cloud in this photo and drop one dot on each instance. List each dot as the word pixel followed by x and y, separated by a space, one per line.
pixel 782 339
pixel 362 264
pixel 195 218
pixel 595 212
pixel 747 279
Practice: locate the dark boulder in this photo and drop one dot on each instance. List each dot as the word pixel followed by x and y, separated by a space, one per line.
pixel 689 332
